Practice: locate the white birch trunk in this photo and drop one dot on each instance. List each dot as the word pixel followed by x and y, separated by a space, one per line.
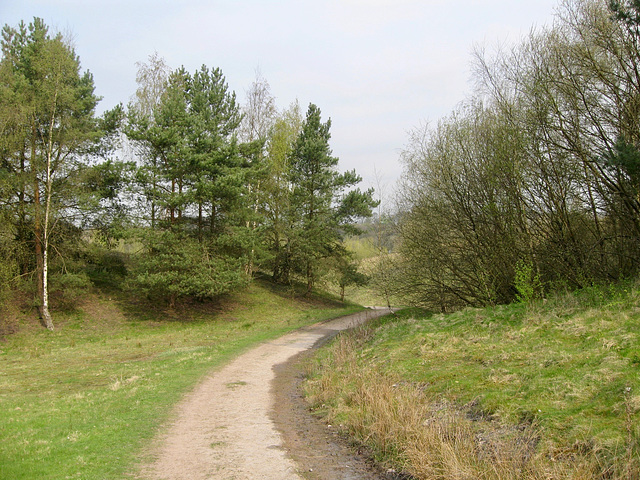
pixel 46 316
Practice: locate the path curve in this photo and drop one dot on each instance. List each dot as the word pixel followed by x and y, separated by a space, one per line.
pixel 223 428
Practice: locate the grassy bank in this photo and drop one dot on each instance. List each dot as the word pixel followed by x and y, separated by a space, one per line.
pixel 83 401
pixel 537 391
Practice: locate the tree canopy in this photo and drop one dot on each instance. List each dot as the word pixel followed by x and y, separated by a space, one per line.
pixel 323 206
pixel 210 190
pixel 49 127
pixel 532 185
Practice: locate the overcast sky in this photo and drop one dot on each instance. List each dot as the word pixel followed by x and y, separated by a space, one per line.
pixel 377 68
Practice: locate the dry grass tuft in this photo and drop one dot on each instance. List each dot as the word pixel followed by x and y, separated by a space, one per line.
pixel 428 437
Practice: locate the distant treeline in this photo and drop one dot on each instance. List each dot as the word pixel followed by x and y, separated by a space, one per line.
pixel 202 190
pixel 533 184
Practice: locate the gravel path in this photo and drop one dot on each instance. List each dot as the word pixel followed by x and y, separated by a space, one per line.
pixel 224 429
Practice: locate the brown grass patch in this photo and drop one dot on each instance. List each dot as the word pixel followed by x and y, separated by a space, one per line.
pixel 428 437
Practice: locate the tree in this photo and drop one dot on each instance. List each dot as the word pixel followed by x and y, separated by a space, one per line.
pixel 195 183
pixel 259 113
pixel 349 274
pixel 50 110
pixel 324 204
pixel 152 78
pixel 626 11
pixel 175 265
pixel 535 182
pixel 461 230
pixel 276 191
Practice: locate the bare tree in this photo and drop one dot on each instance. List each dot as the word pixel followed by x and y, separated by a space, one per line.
pixel 539 172
pixel 259 110
pixel 152 77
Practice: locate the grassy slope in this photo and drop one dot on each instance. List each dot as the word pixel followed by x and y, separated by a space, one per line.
pixel 564 374
pixel 82 402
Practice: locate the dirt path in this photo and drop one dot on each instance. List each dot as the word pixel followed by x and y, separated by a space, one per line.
pixel 227 427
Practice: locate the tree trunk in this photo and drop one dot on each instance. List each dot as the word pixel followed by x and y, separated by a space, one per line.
pixel 42 260
pixel 200 236
pixel 276 259
pixel 37 232
pixel 46 316
pixel 309 278
pixel 180 199
pixel 44 309
pixel 22 233
pixel 253 225
pixel 41 269
pixel 172 210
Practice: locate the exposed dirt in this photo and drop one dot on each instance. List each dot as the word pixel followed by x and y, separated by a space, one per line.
pixel 244 423
pixel 319 450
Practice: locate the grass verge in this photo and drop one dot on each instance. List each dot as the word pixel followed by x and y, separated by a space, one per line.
pixel 83 401
pixel 537 391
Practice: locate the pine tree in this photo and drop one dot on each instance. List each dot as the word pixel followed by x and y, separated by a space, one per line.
pixel 194 182
pixel 324 204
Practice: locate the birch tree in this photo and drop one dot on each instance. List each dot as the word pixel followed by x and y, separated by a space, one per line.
pixel 276 190
pixel 52 106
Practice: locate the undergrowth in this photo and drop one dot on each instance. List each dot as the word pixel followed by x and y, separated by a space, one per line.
pixel 542 390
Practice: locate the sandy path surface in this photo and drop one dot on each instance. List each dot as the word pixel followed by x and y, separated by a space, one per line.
pixel 223 428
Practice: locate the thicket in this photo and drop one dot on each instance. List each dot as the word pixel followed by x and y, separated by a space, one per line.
pixel 182 193
pixel 533 184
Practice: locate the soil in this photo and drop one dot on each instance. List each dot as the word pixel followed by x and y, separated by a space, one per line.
pixel 249 421
pixel 321 451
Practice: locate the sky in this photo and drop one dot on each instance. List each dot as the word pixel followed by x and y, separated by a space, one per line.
pixel 377 68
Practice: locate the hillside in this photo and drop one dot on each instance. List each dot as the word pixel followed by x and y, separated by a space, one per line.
pixel 529 391
pixel 85 400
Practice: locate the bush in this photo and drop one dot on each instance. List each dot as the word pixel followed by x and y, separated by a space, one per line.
pixel 105 267
pixel 67 289
pixel 527 283
pixel 176 266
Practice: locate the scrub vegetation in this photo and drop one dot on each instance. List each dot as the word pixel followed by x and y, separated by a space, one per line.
pixel 158 238
pixel 526 391
pixel 532 184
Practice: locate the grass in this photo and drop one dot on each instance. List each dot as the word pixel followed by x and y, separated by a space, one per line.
pixel 526 391
pixel 84 401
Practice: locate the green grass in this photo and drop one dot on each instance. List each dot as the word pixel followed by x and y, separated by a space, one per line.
pixel 569 369
pixel 84 401
pixel 570 366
